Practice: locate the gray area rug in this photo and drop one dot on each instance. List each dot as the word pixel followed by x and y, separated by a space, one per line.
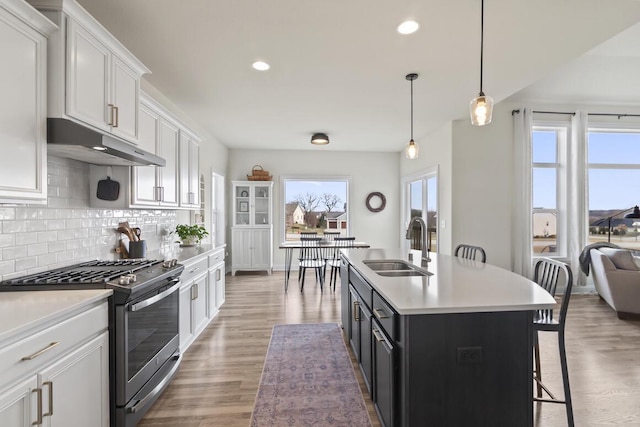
pixel 308 380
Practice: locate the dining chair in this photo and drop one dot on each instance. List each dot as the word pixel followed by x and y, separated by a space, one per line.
pixel 551 274
pixel 471 252
pixel 334 261
pixel 310 257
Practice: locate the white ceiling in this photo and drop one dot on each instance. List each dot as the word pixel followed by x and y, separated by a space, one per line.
pixel 339 66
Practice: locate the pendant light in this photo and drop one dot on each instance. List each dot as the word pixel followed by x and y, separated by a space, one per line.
pixel 481 107
pixel 411 150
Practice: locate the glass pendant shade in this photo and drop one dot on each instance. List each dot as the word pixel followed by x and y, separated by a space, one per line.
pixel 481 109
pixel 411 150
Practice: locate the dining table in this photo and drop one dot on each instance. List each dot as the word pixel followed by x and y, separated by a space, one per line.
pixel 290 245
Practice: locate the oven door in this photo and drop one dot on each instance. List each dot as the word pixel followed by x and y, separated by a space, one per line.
pixel 146 338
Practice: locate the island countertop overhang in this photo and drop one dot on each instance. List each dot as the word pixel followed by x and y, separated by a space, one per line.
pixel 456 285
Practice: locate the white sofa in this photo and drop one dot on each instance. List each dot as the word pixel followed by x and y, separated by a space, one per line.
pixel 618 285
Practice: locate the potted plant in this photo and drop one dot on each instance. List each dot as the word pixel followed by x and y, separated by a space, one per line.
pixel 190 234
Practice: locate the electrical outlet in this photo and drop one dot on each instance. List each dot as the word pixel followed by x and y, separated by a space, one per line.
pixel 469 355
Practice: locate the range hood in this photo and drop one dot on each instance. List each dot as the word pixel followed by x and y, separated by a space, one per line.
pixel 66 138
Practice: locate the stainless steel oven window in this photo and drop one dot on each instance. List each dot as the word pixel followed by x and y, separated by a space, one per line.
pixel 151 324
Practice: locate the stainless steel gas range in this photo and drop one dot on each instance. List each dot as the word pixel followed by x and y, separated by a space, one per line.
pixel 143 325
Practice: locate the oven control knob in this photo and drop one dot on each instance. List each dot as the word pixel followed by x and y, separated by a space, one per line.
pixel 124 280
pixel 132 278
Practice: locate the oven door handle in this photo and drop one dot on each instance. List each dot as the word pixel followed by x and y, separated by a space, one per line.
pixel 157 389
pixel 154 299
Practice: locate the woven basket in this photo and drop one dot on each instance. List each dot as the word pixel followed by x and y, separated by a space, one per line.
pixel 259 174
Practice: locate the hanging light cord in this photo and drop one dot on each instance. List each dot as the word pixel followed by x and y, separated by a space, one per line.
pixel 412 110
pixel 481 42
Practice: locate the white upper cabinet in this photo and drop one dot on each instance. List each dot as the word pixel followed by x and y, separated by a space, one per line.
pixel 23 43
pixel 93 78
pixel 153 185
pixel 189 171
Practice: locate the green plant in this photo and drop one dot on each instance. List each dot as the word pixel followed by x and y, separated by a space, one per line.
pixel 191 232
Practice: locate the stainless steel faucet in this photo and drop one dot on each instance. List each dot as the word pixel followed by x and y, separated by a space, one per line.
pixel 423 229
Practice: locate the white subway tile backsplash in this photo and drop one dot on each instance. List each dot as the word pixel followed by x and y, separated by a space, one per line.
pixel 67 230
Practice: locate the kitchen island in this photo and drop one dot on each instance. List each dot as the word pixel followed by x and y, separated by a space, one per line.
pixel 452 347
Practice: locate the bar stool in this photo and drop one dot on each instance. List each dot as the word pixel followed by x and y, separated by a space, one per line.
pixel 470 252
pixel 548 274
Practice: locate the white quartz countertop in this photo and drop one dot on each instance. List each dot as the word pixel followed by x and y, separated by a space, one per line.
pixel 21 311
pixel 456 286
pixel 183 254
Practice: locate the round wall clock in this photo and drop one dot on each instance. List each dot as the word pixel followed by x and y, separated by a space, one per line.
pixel 376 201
pixel 244 194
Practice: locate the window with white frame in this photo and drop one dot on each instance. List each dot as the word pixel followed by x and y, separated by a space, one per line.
pixel 548 189
pixel 613 155
pixel 315 205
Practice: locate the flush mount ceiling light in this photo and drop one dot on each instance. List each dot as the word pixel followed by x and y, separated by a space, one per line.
pixel 481 107
pixel 320 138
pixel 408 27
pixel 260 66
pixel 411 150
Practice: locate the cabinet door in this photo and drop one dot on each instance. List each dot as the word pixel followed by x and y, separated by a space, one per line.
pixel 144 177
pixel 168 148
pixel 194 173
pixel 185 316
pixel 23 168
pixel 365 345
pixel 262 204
pixel 199 304
pixel 18 404
pixel 212 308
pixel 189 171
pixel 125 96
pixel 87 87
pixel 261 247
pixel 75 390
pixel 241 205
pixel 383 375
pixel 354 321
pixel 241 242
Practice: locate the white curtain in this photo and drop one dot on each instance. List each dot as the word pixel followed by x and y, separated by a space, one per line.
pixel 576 203
pixel 521 220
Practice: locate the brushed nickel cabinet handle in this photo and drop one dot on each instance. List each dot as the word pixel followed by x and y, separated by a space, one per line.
pixel 377 312
pixel 356 311
pixel 218 272
pixel 50 385
pixel 38 392
pixel 117 120
pixel 379 337
pixel 38 353
pixel 110 121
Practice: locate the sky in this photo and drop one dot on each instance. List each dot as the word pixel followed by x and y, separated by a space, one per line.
pixel 608 188
pixel 294 187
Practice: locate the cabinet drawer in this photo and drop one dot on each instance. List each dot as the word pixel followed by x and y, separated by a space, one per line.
pixel 385 315
pixel 361 285
pixel 194 268
pixel 41 348
pixel 216 258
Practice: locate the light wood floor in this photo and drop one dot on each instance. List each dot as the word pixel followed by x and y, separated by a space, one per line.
pixel 220 372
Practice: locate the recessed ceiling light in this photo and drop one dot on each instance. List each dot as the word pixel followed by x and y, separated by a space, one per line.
pixel 261 66
pixel 408 27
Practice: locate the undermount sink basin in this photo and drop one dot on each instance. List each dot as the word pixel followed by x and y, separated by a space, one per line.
pixel 403 273
pixel 395 268
pixel 376 265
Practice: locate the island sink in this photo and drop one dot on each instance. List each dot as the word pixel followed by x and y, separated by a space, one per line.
pixel 395 268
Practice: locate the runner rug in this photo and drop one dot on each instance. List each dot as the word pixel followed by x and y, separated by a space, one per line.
pixel 308 380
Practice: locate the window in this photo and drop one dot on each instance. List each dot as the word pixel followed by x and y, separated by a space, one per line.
pixel 614 185
pixel 421 195
pixel 315 204
pixel 548 189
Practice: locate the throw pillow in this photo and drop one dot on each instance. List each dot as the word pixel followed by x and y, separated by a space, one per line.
pixel 621 258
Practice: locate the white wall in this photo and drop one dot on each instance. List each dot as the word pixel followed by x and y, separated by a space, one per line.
pixel 368 171
pixel 435 150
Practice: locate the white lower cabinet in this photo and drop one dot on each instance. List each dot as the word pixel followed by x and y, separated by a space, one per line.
pixel 251 249
pixel 58 376
pixel 201 294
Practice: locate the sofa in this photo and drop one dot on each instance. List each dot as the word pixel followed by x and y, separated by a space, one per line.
pixel 616 275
